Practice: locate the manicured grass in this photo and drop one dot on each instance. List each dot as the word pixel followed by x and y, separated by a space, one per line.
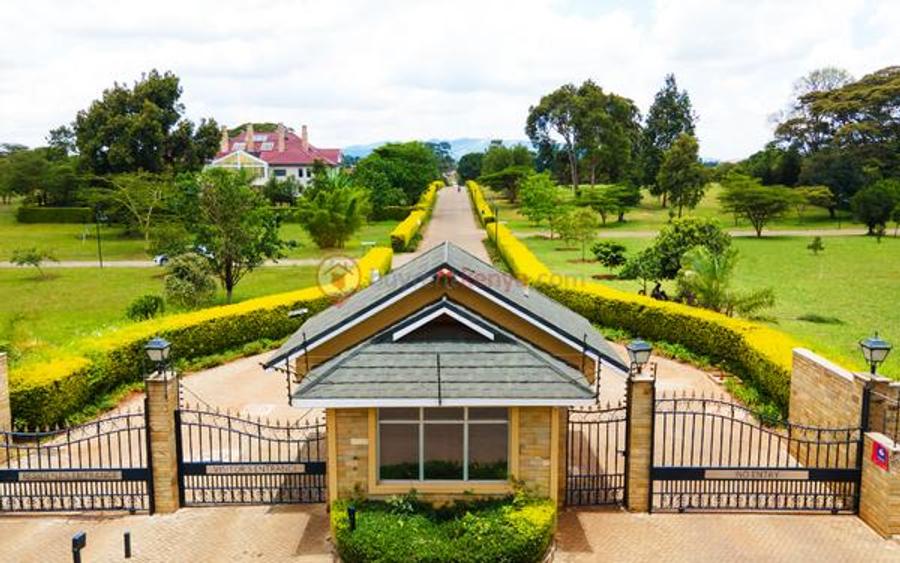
pixel 853 285
pixel 37 314
pixel 78 242
pixel 650 216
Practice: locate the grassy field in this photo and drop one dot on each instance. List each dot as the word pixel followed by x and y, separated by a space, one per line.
pixel 39 314
pixel 650 216
pixel 78 242
pixel 853 286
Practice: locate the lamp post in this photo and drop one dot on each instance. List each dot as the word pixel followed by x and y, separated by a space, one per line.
pixel 99 217
pixel 158 351
pixel 639 353
pixel 874 350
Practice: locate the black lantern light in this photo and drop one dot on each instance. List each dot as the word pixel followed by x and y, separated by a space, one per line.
pixel 158 351
pixel 875 350
pixel 639 353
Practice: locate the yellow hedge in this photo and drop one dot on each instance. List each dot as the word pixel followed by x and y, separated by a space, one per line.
pixel 482 207
pixel 404 233
pixel 45 393
pixel 752 351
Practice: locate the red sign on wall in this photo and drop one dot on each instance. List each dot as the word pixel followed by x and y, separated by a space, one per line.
pixel 880 455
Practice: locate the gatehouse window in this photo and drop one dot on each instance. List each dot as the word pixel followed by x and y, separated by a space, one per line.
pixel 443 444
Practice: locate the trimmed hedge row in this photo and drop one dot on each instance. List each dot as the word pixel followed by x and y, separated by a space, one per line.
pixel 29 214
pixel 404 233
pixel 485 213
pixel 753 352
pixel 46 393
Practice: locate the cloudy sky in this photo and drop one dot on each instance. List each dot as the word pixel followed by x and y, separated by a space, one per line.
pixel 358 72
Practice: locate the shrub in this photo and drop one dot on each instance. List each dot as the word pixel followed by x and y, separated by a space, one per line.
pixel 404 529
pixel 145 307
pixel 49 392
pixel 32 257
pixel 485 213
pixel 189 281
pixel 404 234
pixel 29 214
pixel 610 254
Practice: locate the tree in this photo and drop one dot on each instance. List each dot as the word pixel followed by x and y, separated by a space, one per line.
pixel 32 257
pixel 469 166
pixel 556 114
pixel 836 169
pixel 644 267
pixel 601 200
pixel 189 281
pixel 681 174
pixel 745 197
pixel 443 153
pixel 705 279
pixel 610 254
pixel 679 236
pixel 581 227
pixel 509 180
pixel 282 190
pixel 670 116
pixel 143 128
pixel 407 167
pixel 334 211
pixel 874 205
pixel 541 198
pixel 234 224
pixel 816 246
pixel 141 195
pixel 817 196
pixel 499 157
pixel 608 132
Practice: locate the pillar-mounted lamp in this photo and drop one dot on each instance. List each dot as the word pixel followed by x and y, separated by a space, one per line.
pixel 158 351
pixel 639 353
pixel 874 350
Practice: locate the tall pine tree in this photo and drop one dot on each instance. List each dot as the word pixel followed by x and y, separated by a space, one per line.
pixel 669 116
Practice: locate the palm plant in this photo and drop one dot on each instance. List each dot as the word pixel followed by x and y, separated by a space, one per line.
pixel 705 279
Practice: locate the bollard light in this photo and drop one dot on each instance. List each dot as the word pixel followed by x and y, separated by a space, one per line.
pixel 351 516
pixel 79 541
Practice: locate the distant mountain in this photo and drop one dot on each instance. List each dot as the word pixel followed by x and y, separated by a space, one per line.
pixel 458 147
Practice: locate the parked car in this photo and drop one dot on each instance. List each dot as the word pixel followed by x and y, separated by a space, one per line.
pixel 161 259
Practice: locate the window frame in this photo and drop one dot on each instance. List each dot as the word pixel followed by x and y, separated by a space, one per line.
pixel 465 422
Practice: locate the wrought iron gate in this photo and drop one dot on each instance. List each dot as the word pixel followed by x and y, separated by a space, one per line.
pixel 714 455
pixel 101 465
pixel 595 459
pixel 229 459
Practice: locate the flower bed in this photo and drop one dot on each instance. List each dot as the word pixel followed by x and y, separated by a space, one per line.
pixel 405 233
pixel 46 393
pixel 757 354
pixel 516 529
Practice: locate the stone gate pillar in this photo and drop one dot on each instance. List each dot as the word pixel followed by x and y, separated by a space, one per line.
pixel 161 404
pixel 640 394
pixel 879 502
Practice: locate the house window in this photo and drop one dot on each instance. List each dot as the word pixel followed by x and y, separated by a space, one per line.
pixel 443 444
pixel 280 172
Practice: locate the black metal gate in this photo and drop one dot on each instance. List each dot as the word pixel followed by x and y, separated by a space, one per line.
pixel 714 455
pixel 101 465
pixel 229 459
pixel 595 458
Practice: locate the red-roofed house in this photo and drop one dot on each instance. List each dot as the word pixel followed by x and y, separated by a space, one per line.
pixel 279 154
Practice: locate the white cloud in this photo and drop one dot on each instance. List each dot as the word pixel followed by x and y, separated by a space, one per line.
pixel 358 72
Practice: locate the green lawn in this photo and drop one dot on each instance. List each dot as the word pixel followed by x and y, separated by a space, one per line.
pixel 38 314
pixel 854 282
pixel 650 216
pixel 78 242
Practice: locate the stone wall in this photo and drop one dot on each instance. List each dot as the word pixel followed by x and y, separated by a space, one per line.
pixel 534 448
pixel 351 431
pixel 824 394
pixel 879 504
pixel 5 412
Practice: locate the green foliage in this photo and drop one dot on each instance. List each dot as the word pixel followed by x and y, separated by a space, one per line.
pixel 145 307
pixel 469 166
pixel 645 267
pixel 610 254
pixel 517 529
pixel 579 225
pixel 499 157
pixel 816 246
pixel 189 281
pixel 29 214
pixel 706 277
pixel 542 200
pixel 508 180
pixel 442 152
pixel 608 200
pixel 143 128
pixel 139 196
pixel 409 167
pixel 170 238
pixel 817 196
pixel 681 175
pixel 282 190
pixel 745 197
pixel 875 204
pixel 32 256
pixel 682 235
pixel 42 175
pixel 774 165
pixel 234 224
pixel 670 115
pixel 333 210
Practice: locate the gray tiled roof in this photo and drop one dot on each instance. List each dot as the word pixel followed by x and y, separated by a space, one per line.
pixel 500 285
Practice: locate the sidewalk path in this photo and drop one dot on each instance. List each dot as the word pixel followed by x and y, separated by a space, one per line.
pixel 452 220
pixel 849 232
